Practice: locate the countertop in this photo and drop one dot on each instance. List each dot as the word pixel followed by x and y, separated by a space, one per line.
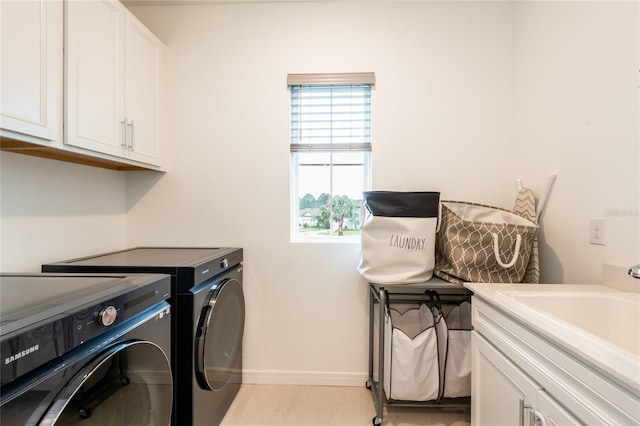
pixel 619 364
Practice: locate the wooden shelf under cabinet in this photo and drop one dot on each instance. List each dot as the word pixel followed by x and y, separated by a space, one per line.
pixel 27 148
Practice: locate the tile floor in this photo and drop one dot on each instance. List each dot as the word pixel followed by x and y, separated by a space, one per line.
pixel 276 405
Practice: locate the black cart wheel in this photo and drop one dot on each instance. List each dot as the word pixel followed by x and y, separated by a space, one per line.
pixel 124 380
pixel 377 421
pixel 84 413
pixel 368 385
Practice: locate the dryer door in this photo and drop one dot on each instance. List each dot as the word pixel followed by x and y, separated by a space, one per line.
pixel 219 336
pixel 130 383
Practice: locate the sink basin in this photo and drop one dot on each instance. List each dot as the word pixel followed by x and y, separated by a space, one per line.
pixel 613 317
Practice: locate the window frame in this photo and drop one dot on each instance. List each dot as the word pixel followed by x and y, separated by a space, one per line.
pixel 359 143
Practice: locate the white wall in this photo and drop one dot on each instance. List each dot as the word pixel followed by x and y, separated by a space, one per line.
pixel 464 91
pixel 52 211
pixel 577 113
pixel 442 114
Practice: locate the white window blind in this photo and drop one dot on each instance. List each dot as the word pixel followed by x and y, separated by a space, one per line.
pixel 333 116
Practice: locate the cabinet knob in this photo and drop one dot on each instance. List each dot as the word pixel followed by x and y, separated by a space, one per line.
pixel 538 419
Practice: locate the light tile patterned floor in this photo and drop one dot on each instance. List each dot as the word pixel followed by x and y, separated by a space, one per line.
pixel 288 405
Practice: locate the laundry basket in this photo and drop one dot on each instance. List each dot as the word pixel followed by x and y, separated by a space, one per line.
pixel 411 367
pixel 426 384
pixel 457 372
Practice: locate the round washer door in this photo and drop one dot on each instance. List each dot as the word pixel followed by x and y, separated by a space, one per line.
pixel 129 383
pixel 219 337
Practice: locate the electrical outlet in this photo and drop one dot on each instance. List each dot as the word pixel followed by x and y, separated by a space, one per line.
pixel 596 231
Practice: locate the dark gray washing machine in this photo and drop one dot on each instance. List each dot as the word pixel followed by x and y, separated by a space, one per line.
pixel 208 307
pixel 85 349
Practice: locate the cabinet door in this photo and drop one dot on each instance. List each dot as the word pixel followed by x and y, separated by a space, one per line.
pixel 550 413
pixel 94 75
pixel 501 394
pixel 142 67
pixel 31 69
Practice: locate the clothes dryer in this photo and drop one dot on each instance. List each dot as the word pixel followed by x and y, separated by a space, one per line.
pixel 208 306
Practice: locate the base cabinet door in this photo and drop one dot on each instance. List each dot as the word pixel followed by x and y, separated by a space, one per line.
pixel 549 413
pixel 31 34
pixel 501 394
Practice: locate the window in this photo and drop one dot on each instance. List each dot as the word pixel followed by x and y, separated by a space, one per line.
pixel 330 154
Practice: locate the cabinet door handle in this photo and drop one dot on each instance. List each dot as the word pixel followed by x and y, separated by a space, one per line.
pixel 131 136
pixel 124 123
pixel 539 419
pixel 522 411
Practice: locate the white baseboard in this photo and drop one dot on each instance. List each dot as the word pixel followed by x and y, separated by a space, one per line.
pixel 270 377
pixel 288 377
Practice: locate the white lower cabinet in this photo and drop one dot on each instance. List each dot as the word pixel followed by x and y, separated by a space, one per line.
pixel 502 394
pixel 549 412
pixel 524 377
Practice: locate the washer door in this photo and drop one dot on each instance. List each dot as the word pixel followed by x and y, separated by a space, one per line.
pixel 219 337
pixel 130 383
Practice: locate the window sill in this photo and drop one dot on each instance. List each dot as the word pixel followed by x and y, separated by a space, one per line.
pixel 326 240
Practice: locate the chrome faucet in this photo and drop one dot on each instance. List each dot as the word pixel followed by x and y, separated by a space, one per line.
pixel 634 271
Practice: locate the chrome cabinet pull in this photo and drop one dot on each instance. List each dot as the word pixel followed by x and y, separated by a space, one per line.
pixel 539 419
pixel 521 413
pixel 124 124
pixel 131 135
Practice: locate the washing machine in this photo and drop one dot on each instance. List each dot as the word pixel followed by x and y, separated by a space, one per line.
pixel 85 349
pixel 208 306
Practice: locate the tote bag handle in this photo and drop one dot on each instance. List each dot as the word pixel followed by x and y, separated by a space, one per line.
pixel 496 251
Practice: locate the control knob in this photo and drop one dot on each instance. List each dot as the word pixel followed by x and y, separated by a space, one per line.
pixel 107 316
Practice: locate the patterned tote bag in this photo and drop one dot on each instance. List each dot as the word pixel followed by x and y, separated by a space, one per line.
pixel 480 243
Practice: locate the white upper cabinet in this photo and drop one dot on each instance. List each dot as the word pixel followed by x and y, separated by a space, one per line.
pixel 112 65
pixel 94 75
pixel 141 94
pixel 31 70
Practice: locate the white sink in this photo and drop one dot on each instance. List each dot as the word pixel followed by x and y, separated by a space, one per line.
pixel 612 316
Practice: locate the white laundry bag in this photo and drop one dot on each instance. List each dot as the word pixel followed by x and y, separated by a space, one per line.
pixel 398 236
pixel 457 377
pixel 411 367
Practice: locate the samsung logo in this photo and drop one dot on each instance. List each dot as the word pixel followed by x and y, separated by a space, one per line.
pixel 21 354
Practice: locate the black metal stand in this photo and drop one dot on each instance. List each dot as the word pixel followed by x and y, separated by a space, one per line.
pixel 404 294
